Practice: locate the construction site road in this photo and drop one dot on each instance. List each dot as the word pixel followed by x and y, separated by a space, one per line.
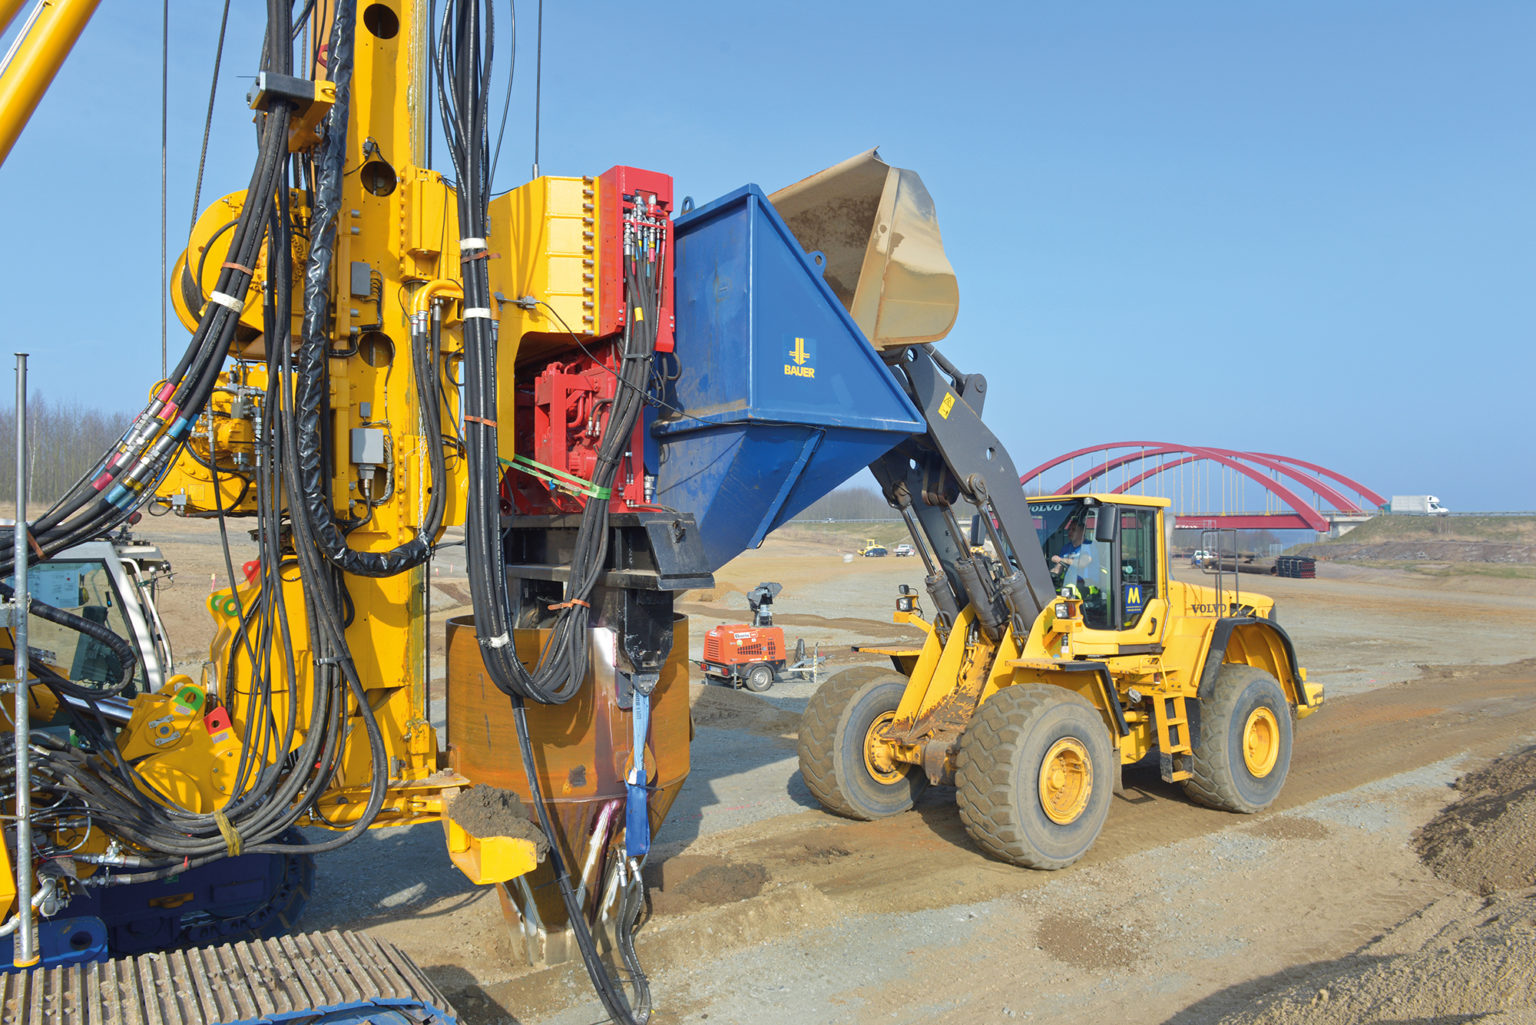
pixel 765 908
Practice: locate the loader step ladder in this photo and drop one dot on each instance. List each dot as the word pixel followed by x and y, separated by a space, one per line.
pixel 1173 740
pixel 332 978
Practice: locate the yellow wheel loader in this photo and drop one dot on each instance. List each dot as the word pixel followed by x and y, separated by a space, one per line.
pixel 1058 649
pixel 1031 712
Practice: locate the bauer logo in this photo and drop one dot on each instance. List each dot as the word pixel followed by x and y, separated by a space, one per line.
pixel 800 357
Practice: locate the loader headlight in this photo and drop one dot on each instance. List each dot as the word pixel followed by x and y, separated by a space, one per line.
pixel 1063 610
pixel 906 604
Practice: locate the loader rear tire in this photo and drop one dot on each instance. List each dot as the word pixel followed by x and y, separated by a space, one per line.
pixel 1034 776
pixel 839 765
pixel 1242 739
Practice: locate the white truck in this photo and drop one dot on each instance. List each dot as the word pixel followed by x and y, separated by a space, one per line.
pixel 1418 505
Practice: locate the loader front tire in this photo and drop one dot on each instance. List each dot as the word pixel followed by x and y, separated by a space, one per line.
pixel 1034 776
pixel 1241 734
pixel 840 758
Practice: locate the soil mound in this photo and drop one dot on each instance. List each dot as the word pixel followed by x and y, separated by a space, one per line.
pixel 490 811
pixel 1481 965
pixel 1486 840
pixel 686 882
pixel 1471 973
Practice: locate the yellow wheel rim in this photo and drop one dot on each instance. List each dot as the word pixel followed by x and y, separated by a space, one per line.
pixel 1066 780
pixel 1261 742
pixel 882 768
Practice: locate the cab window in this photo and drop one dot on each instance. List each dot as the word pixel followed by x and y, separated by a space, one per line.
pixel 1080 566
pixel 1138 563
pixel 86 589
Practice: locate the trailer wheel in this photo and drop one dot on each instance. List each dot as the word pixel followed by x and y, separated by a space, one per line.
pixel 1034 776
pixel 759 677
pixel 842 765
pixel 1242 733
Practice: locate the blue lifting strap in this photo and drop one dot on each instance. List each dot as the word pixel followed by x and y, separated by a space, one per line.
pixel 637 817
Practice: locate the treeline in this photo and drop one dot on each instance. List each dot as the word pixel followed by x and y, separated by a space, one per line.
pixel 850 504
pixel 64 441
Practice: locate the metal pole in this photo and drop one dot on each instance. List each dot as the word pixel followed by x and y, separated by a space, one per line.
pixel 165 134
pixel 538 85
pixel 26 954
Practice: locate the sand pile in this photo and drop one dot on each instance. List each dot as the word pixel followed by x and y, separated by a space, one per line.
pixel 1481 965
pixel 1486 840
pixel 490 811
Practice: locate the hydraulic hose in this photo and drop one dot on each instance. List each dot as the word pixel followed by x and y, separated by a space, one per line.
pixel 128 473
pixel 277 782
pixel 463 74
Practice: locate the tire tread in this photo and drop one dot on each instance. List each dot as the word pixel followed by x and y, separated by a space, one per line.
pixel 1212 774
pixel 985 772
pixel 818 742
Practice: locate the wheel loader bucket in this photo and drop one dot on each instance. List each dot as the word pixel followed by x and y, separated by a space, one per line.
pixel 876 227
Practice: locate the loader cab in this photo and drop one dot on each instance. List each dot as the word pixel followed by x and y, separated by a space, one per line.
pixel 1104 552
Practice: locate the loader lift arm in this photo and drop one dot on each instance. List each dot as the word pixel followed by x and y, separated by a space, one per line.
pixel 960 457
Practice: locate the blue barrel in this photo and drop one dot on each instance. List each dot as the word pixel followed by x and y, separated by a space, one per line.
pixel 779 397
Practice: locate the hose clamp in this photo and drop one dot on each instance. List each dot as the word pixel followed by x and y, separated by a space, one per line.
pixel 226 300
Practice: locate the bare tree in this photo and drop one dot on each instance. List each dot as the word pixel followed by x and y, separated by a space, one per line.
pixel 64 441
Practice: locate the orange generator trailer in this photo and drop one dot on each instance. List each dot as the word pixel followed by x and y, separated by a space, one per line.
pixel 751 655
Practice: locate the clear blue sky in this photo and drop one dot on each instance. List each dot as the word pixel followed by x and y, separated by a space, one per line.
pixel 1306 228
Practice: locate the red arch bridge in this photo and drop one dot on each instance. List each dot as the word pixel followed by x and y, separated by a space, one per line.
pixel 1213 487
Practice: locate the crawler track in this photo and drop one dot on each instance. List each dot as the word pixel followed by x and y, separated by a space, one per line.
pixel 276 980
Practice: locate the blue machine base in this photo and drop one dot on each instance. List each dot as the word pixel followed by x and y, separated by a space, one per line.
pixel 62 941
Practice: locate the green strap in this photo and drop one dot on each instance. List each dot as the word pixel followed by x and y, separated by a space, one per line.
pixel 559 478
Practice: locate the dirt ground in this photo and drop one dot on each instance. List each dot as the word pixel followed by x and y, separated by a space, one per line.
pixel 1378 888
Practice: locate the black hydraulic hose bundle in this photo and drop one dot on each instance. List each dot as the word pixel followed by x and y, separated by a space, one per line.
pixel 463 74
pixel 104 498
pixel 276 783
pixel 335 677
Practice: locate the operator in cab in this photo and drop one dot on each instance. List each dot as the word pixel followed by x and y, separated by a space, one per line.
pixel 1074 557
pixel 1077 567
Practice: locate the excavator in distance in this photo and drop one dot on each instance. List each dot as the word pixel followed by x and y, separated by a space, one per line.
pixel 612 394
